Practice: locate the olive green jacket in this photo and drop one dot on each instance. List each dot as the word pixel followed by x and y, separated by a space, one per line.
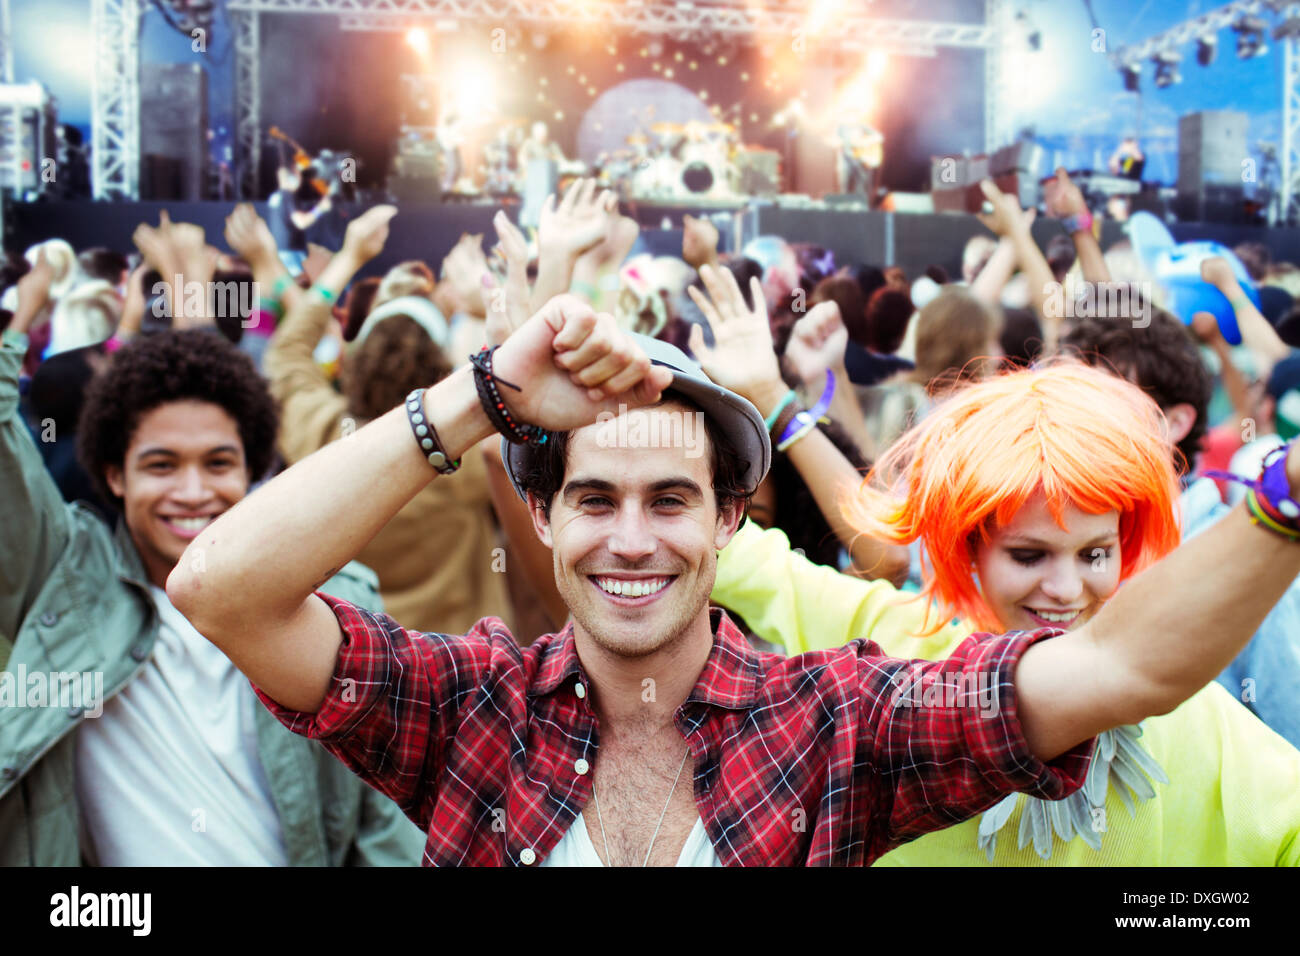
pixel 74 599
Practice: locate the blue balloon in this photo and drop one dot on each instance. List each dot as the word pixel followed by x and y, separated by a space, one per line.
pixel 1177 267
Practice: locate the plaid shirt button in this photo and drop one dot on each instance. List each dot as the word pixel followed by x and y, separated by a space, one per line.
pixel 581 766
pixel 527 857
pixel 580 691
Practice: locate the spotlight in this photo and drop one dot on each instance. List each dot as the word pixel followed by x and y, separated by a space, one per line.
pixel 1033 36
pixel 1206 49
pixel 417 38
pixel 1167 69
pixel 1250 37
pixel 1132 73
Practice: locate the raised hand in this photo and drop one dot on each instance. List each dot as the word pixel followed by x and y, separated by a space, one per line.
pixel 699 242
pixel 1007 218
pixel 571 364
pixel 133 307
pixel 250 237
pixel 578 222
pixel 508 302
pixel 467 270
pixel 1216 271
pixel 1206 328
pixel 33 293
pixel 176 248
pixel 741 358
pixel 1061 197
pixel 367 234
pixel 817 343
pixel 184 260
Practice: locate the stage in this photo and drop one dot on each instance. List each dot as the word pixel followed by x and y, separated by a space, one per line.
pixel 429 230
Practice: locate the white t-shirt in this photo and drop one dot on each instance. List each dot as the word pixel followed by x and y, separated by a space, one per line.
pixel 169 775
pixel 576 849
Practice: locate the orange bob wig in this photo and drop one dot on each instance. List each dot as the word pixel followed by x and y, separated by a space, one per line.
pixel 1076 434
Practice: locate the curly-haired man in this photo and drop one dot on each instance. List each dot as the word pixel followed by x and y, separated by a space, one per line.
pixel 125 737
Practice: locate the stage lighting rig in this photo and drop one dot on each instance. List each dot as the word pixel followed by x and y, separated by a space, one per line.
pixel 1167 69
pixel 1290 25
pixel 1132 73
pixel 1207 47
pixel 1033 37
pixel 1250 37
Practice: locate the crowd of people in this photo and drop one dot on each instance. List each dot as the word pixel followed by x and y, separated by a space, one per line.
pixel 932 571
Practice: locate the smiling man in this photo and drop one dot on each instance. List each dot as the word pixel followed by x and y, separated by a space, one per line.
pixel 648 731
pixel 181 767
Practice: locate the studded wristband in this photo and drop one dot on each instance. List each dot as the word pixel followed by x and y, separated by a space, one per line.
pixel 426 437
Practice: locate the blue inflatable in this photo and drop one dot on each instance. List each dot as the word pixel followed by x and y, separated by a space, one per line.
pixel 1177 268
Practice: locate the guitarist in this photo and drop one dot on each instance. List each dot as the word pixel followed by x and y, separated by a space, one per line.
pixel 861 149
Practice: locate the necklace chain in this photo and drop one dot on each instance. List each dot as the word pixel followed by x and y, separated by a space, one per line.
pixel 655 835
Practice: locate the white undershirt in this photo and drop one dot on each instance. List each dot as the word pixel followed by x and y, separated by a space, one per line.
pixel 576 849
pixel 169 775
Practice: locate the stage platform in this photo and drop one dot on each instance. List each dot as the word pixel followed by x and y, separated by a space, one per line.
pixel 429 230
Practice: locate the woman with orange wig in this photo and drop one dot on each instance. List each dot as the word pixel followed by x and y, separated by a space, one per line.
pixel 1063 440
pixel 1035 495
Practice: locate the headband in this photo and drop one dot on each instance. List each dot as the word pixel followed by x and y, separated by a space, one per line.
pixel 423 312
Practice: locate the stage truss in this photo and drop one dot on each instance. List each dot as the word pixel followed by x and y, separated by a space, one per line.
pixel 1287 34
pixel 115 99
pixel 116 90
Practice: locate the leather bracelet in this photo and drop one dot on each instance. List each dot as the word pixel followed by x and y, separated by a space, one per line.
pixel 489 395
pixel 786 399
pixel 783 421
pixel 426 437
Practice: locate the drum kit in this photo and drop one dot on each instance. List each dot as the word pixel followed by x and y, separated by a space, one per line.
pixel 669 161
pixel 674 161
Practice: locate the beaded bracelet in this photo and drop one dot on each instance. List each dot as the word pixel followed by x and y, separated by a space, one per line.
pixel 325 293
pixel 1259 515
pixel 430 444
pixel 485 381
pixel 1268 497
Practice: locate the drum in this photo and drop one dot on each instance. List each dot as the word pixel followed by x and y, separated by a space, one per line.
pixel 704 167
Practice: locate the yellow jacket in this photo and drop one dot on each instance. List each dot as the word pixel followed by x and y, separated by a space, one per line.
pixel 1234 793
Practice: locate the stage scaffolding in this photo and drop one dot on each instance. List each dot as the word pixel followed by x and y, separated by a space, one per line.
pixel 115 109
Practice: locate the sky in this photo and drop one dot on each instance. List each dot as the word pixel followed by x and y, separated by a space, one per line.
pixel 1069 93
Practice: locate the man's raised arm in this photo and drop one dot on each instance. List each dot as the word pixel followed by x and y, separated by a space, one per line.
pixel 247 581
pixel 1162 637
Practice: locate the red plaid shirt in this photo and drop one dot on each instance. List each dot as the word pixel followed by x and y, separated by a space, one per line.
pixel 827 758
